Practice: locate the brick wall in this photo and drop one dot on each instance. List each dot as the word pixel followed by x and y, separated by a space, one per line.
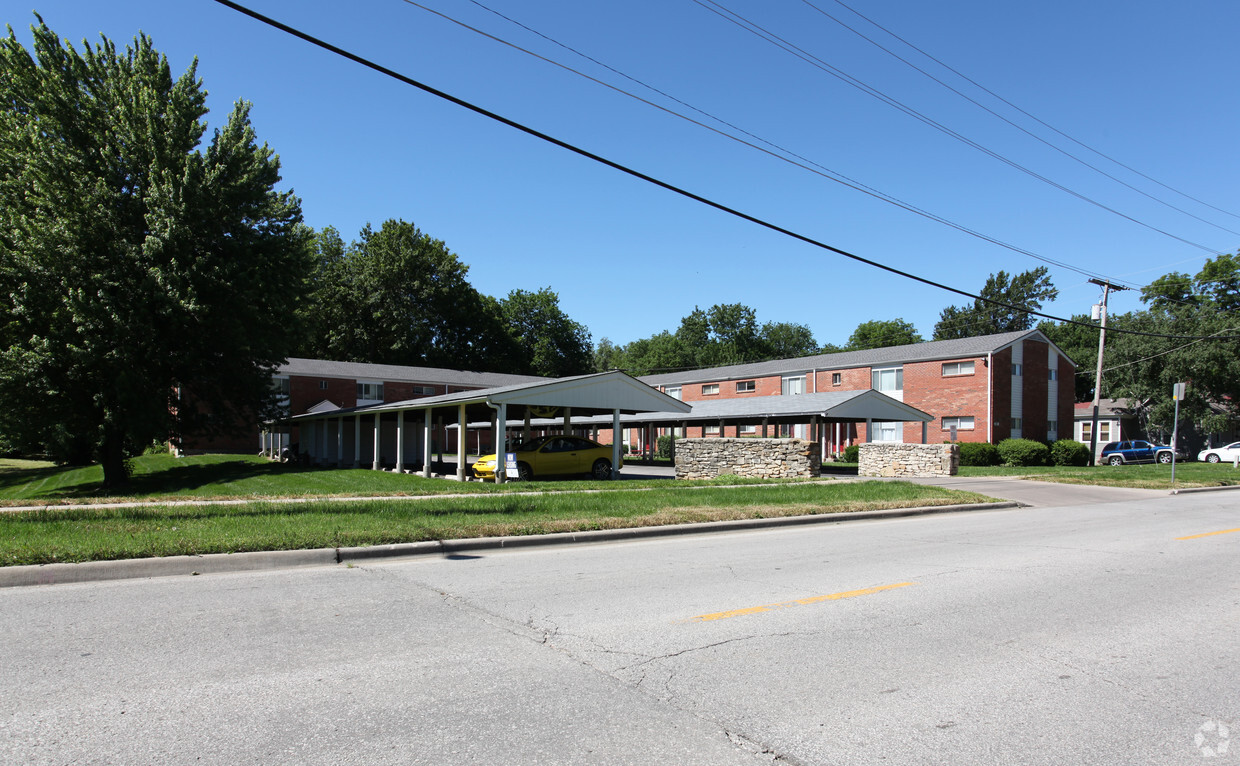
pixel 1001 395
pixel 1037 378
pixel 1067 399
pixel 927 389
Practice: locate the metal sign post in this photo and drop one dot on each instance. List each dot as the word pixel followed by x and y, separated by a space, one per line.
pixel 1177 393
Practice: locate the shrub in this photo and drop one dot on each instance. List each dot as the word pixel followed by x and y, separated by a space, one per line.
pixel 663 447
pixel 1069 452
pixel 1023 452
pixel 979 453
pixel 851 454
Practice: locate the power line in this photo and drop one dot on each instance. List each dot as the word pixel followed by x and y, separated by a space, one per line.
pixel 1021 128
pixel 647 178
pixel 984 89
pixel 809 58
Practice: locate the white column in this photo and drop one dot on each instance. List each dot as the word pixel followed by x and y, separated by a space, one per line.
pixel 426 443
pixel 340 442
pixel 375 460
pixel 462 431
pixel 501 422
pixel 400 441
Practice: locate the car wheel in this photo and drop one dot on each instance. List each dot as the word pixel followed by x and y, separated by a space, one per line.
pixel 1116 460
pixel 524 472
pixel 601 469
pixel 1164 457
pixel 1212 458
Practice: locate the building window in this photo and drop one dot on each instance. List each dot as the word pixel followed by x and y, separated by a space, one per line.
pixel 1017 423
pixel 710 389
pixel 835 378
pixel 1054 374
pixel 793 386
pixel 960 423
pixel 746 386
pixel 1052 426
pixel 957 368
pixel 322 385
pixel 423 390
pixel 749 430
pixel 888 379
pixel 371 392
pixel 673 392
pixel 887 432
pixel 710 430
pixel 1016 371
pixel 281 386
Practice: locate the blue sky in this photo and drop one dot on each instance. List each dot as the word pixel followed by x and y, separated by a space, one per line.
pixel 1151 84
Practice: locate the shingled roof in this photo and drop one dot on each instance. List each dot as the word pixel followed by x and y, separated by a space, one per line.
pixel 873 357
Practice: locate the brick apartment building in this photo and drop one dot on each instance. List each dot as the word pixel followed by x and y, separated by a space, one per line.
pixel 316 385
pixel 989 388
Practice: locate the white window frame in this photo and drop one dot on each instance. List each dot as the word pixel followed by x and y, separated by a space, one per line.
pixel 953 369
pixel 710 430
pixel 1053 374
pixel 746 386
pixel 961 422
pixel 673 392
pixel 369 387
pixel 1016 371
pixel 710 389
pixel 750 430
pixel 786 384
pixel 836 378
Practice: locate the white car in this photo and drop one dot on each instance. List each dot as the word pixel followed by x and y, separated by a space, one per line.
pixel 1217 454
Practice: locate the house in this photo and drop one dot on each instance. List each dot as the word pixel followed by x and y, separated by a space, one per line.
pixel 1117 420
pixel 981 389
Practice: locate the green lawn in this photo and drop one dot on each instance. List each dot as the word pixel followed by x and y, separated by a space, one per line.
pixel 92 534
pixel 1142 476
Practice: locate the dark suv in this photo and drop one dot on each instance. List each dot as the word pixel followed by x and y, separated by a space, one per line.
pixel 1119 453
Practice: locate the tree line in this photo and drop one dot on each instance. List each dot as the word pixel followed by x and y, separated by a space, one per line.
pixel 151 284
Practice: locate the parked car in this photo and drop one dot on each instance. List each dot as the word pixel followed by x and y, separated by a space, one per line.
pixel 1137 451
pixel 556 455
pixel 1216 454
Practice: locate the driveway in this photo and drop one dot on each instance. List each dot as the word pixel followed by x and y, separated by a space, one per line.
pixel 1041 494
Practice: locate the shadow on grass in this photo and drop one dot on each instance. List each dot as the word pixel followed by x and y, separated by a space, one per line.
pixel 164 481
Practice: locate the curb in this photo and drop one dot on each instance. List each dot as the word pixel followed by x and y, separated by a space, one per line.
pixel 217 563
pixel 1190 490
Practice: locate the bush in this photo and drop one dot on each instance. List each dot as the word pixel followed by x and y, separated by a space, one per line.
pixel 663 447
pixel 979 453
pixel 1023 452
pixel 851 454
pixel 1069 452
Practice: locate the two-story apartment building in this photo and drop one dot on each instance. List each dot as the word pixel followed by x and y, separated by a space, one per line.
pixel 987 388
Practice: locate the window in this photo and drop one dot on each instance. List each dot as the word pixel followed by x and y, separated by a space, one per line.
pixel 957 368
pixel 1054 374
pixel 423 390
pixel 835 378
pixel 961 423
pixel 745 387
pixel 322 385
pixel 793 386
pixel 887 432
pixel 371 392
pixel 710 389
pixel 710 431
pixel 749 430
pixel 673 392
pixel 888 379
pixel 1052 426
pixel 1016 371
pixel 1017 423
pixel 1104 431
pixel 281 386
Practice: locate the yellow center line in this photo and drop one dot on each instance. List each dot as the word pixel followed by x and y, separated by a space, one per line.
pixel 796 602
pixel 1210 534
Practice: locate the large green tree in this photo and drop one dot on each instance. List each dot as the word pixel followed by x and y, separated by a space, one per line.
pixel 400 296
pixel 881 333
pixel 549 342
pixel 132 262
pixel 999 308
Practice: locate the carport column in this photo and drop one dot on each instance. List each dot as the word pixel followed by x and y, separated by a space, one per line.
pixel 461 433
pixel 568 420
pixel 426 443
pixel 400 441
pixel 764 421
pixel 923 432
pixel 325 441
pixel 722 428
pixel 869 430
pixel 615 443
pixel 501 457
pixel 525 428
pixel 340 442
pixel 357 441
pixel 374 465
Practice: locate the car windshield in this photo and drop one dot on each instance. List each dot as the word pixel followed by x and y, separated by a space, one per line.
pixel 531 445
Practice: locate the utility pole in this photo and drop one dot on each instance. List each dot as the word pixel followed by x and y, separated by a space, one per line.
pixel 1107 287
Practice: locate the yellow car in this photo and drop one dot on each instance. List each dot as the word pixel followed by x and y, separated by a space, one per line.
pixel 554 456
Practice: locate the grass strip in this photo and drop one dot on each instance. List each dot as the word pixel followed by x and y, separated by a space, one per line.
pixel 1141 476
pixel 90 534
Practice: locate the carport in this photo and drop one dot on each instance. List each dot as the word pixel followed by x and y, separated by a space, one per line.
pixel 563 401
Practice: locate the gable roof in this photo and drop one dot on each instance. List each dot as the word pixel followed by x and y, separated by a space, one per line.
pixel 323 368
pixel 872 357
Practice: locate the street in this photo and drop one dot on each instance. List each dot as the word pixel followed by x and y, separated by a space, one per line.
pixel 1085 634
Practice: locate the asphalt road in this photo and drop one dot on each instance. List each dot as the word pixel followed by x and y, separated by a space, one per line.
pixel 1082 634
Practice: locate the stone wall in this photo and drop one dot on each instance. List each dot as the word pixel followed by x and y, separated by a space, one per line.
pixel 765 458
pixel 908 460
